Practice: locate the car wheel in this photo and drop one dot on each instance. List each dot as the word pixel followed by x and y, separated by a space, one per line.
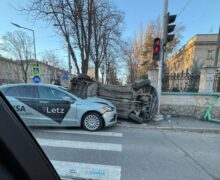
pixel 135 118
pixel 92 121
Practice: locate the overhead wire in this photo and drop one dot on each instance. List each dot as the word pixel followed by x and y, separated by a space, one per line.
pixel 184 7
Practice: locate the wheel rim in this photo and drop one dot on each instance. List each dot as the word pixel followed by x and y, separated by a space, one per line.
pixel 92 122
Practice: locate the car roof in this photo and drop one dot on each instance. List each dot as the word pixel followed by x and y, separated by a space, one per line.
pixel 29 84
pixel 38 85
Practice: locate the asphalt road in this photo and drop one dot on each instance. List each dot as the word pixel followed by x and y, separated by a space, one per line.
pixel 132 153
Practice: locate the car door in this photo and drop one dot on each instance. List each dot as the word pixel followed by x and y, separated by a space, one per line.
pixel 55 108
pixel 24 99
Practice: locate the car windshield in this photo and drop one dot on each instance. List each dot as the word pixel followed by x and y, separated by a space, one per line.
pixel 116 89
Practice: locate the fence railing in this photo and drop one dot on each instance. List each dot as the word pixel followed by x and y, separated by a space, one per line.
pixel 180 82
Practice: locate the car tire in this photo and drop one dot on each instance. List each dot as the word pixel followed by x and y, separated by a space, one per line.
pixel 135 118
pixel 92 121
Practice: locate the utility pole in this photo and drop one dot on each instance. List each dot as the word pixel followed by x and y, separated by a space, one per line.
pixel 217 49
pixel 163 41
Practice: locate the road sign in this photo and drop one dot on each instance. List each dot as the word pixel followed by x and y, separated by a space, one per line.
pixel 65 77
pixel 35 71
pixel 36 79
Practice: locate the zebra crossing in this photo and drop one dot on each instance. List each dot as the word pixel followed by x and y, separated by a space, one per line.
pixel 69 169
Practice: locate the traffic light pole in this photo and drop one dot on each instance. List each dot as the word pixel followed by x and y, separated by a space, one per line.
pixel 163 41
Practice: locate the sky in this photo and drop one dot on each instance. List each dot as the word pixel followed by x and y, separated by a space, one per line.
pixel 198 17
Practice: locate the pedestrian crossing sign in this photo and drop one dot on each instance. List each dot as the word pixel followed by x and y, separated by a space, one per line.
pixel 35 71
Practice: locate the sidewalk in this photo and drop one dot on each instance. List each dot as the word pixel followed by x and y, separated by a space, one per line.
pixel 177 124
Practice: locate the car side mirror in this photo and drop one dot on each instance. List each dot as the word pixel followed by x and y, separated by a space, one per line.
pixel 68 99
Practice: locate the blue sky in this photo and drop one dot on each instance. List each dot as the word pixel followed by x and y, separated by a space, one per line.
pixel 198 17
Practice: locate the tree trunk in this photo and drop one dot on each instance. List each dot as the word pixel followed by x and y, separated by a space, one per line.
pixel 72 53
pixel 25 76
pixel 97 72
pixel 84 68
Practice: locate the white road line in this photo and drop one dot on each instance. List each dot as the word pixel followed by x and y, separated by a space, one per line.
pixel 79 144
pixel 113 134
pixel 90 171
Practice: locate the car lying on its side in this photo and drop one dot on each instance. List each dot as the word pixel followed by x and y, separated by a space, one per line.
pixel 51 105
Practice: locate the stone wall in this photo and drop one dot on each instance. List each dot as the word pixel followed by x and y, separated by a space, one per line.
pixel 188 104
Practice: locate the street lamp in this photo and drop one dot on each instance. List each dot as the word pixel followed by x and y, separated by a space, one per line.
pixel 35 56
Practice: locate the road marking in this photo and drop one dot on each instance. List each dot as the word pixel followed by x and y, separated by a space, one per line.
pixel 89 171
pixel 113 134
pixel 79 144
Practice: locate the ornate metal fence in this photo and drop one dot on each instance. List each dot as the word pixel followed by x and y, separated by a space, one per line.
pixel 180 82
pixel 216 86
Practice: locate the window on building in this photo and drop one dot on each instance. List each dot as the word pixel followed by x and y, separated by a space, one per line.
pixel 210 55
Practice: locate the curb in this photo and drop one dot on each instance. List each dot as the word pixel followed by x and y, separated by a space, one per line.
pixel 184 129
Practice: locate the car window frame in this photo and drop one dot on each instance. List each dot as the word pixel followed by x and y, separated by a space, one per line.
pixel 56 89
pixel 25 86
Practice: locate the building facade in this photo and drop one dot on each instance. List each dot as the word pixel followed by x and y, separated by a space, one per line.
pixel 196 53
pixel 11 72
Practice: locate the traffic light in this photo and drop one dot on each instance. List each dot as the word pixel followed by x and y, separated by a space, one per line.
pixel 170 27
pixel 156 49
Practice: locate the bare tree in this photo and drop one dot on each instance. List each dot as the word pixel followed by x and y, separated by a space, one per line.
pixel 89 27
pixel 51 58
pixel 80 17
pixel 112 73
pixel 19 44
pixel 107 23
pixel 73 20
pixel 131 62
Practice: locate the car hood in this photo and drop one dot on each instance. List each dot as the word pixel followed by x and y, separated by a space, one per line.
pixel 99 100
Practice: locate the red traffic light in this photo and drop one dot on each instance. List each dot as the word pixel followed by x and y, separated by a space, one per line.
pixel 156 49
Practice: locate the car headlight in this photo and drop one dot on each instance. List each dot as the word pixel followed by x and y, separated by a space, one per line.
pixel 107 108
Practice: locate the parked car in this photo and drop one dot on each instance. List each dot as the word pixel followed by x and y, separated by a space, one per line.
pixel 51 105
